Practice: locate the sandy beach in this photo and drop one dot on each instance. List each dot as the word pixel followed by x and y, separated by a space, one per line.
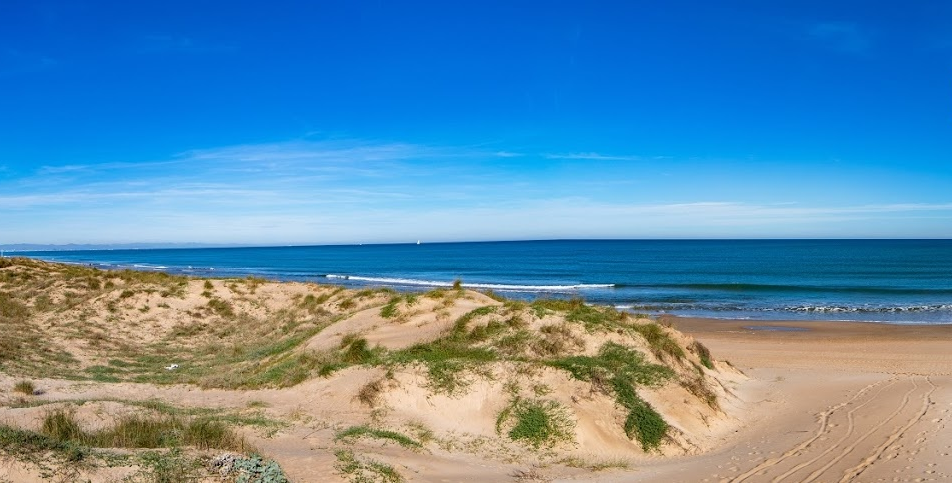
pixel 828 402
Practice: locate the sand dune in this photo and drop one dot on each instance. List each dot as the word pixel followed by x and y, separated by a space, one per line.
pixel 344 385
pixel 352 385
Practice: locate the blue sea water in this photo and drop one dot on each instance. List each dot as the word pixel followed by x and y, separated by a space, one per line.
pixel 896 281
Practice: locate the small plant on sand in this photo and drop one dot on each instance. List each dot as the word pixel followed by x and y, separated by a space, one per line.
pixel 221 307
pixel 37 448
pixel 660 342
pixel 369 393
pixel 537 422
pixel 368 432
pixel 256 469
pixel 25 387
pixel 699 388
pixel 365 470
pixel 645 424
pixel 390 311
pixel 168 467
pixel 703 353
pixel 61 425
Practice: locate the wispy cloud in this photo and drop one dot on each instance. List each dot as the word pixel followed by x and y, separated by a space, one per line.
pixel 592 156
pixel 16 62
pixel 507 154
pixel 342 191
pixel 843 37
pixel 295 173
pixel 167 43
pixel 344 151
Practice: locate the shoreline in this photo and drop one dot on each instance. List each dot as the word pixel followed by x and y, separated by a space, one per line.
pixel 846 346
pixel 830 328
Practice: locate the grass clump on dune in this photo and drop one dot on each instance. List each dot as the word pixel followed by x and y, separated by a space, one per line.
pixel 364 469
pixel 703 353
pixel 660 342
pixel 366 431
pixel 445 361
pixel 618 370
pixel 447 358
pixel 537 422
pixel 25 387
pixel 63 443
pixel 136 431
pixel 32 447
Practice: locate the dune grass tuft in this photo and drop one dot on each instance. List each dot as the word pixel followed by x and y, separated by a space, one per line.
pixel 703 353
pixel 136 431
pixel 25 387
pixel 618 370
pixel 537 422
pixel 365 469
pixel 368 432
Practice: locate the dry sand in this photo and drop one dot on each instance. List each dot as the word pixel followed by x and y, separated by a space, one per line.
pixel 828 402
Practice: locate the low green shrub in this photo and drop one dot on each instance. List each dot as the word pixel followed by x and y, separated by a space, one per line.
pixel 536 422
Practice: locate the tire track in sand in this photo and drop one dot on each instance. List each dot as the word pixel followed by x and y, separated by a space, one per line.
pixel 851 425
pixel 849 449
pixel 878 452
pixel 824 419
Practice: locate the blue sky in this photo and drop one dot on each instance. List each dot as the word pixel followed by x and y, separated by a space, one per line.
pixel 377 121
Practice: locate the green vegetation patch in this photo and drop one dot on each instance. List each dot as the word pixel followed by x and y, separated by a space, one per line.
pixel 256 469
pixel 445 360
pixel 618 370
pixel 32 447
pixel 390 310
pixel 660 342
pixel 25 387
pixel 537 422
pixel 363 470
pixel 137 431
pixel 703 353
pixel 368 432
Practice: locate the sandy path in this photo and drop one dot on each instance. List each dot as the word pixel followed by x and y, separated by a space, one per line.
pixel 834 402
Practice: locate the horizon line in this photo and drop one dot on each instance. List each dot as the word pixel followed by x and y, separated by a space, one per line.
pixel 29 247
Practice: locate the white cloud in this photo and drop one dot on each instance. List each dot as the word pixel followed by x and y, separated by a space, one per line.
pixel 344 191
pixel 594 157
pixel 845 37
pixel 507 154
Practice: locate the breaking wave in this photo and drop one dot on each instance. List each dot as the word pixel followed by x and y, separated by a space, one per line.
pixel 483 286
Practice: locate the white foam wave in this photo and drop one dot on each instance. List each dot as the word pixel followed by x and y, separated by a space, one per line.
pixel 896 309
pixel 489 286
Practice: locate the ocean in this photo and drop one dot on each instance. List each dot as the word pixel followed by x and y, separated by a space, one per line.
pixel 893 281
